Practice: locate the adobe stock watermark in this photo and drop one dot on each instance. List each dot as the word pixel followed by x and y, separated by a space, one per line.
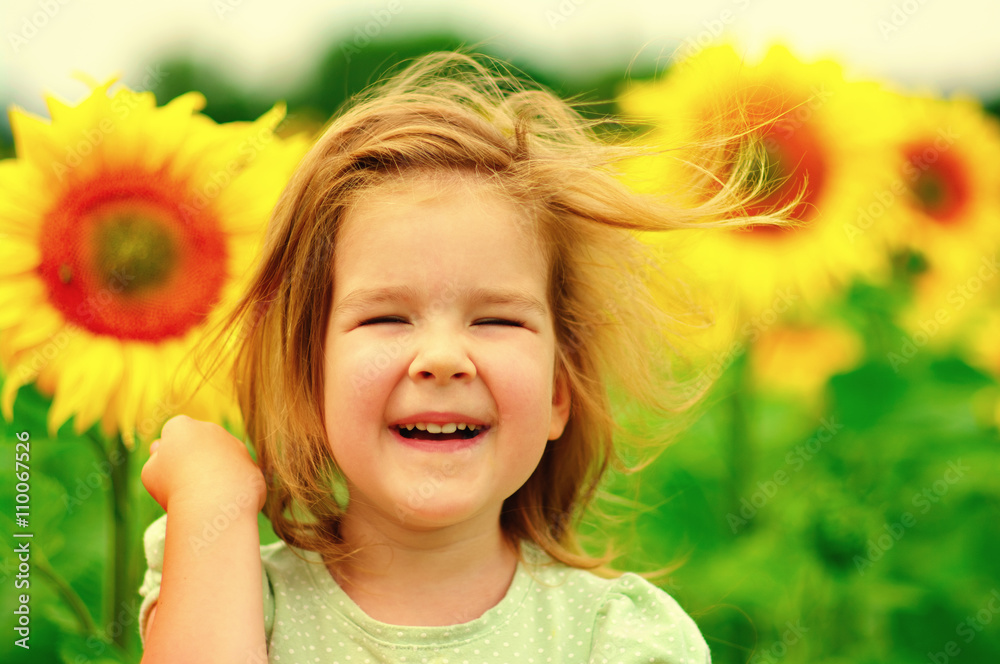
pixel 92 137
pixel 795 460
pixel 216 182
pixel 399 344
pixel 784 300
pixel 223 518
pixel 423 493
pixel 792 635
pixel 104 641
pixel 957 298
pixel 885 198
pixel 968 629
pixel 364 34
pixel 154 421
pixel 94 480
pixel 712 31
pixel 224 7
pixel 923 500
pixel 34 23
pixel 626 289
pixel 899 16
pixel 56 345
pixel 796 117
pixel 562 12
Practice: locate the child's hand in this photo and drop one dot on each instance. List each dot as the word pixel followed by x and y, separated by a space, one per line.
pixel 202 462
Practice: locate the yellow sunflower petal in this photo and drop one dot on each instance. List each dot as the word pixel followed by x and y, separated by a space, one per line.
pixel 19 296
pixel 45 324
pixel 18 376
pixel 17 256
pixel 156 405
pixel 236 203
pixel 33 136
pixel 24 200
pixel 170 127
pixel 142 363
pixel 103 383
pixel 82 390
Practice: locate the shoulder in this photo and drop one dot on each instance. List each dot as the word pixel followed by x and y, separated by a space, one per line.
pixel 628 618
pixel 634 611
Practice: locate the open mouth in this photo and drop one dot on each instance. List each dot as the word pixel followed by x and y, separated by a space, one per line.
pixel 447 432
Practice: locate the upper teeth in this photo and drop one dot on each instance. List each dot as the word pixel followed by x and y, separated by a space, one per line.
pixel 451 427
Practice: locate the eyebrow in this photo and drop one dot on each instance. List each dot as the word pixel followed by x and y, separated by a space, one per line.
pixel 508 297
pixel 361 297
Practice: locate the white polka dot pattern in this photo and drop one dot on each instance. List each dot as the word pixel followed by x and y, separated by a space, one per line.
pixel 551 613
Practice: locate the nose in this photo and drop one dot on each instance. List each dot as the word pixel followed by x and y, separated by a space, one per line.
pixel 441 358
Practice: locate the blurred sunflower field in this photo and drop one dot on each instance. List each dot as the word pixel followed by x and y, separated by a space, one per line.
pixel 834 498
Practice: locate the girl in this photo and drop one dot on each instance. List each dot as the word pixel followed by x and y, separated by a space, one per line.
pixel 450 289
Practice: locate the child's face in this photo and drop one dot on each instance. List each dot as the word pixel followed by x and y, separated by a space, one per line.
pixel 440 315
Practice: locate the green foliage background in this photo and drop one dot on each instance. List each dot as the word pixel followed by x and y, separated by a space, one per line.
pixel 815 569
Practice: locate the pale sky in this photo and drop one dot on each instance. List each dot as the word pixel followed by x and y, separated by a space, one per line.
pixel 269 46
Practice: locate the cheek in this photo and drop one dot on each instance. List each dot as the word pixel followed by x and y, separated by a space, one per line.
pixel 523 396
pixel 355 370
pixel 354 394
pixel 357 383
pixel 523 391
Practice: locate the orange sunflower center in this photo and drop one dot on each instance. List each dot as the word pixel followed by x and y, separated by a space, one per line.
pixel 124 256
pixel 938 181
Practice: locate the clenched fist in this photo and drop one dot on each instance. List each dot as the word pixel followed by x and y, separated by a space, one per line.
pixel 200 462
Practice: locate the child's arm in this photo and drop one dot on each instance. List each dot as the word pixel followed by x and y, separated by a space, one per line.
pixel 210 607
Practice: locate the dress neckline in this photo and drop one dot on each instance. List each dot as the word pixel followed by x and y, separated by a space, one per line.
pixel 336 599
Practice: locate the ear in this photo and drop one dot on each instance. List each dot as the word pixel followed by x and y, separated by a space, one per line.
pixel 560 404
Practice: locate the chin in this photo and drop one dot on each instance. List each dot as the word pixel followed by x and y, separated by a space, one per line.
pixel 433 513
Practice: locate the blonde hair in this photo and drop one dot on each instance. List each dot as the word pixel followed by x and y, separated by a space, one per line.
pixel 449 112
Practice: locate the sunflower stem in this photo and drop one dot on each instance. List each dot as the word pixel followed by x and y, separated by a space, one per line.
pixel 98 444
pixel 119 578
pixel 122 588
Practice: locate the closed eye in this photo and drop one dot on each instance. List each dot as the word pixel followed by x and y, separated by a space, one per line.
pixel 383 319
pixel 500 321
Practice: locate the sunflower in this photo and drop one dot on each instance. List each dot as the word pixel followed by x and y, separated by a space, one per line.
pixel 799 359
pixel 802 128
pixel 947 170
pixel 949 303
pixel 948 161
pixel 127 228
